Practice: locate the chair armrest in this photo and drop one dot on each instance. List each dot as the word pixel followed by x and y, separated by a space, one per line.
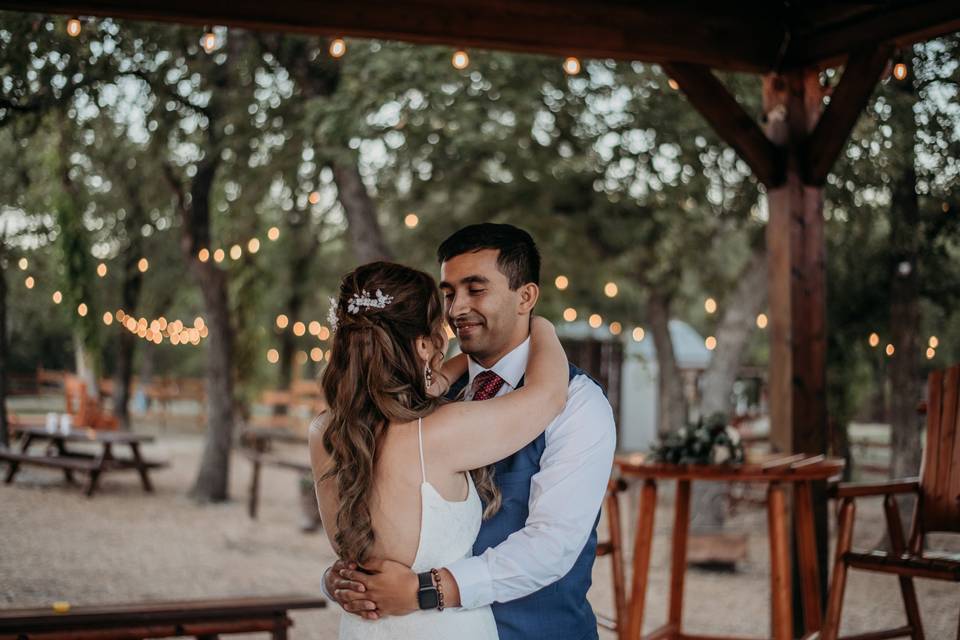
pixel 861 489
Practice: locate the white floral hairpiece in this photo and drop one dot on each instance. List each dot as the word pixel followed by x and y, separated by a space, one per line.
pixel 357 303
pixel 332 319
pixel 363 299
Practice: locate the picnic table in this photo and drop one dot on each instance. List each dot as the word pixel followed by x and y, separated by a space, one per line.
pixel 800 471
pixel 60 453
pixel 203 619
pixel 259 447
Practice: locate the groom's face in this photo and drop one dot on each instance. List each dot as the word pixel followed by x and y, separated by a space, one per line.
pixel 480 306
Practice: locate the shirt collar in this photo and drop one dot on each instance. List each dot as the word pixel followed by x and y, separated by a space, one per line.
pixel 510 367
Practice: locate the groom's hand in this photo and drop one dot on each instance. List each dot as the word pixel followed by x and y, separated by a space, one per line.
pixel 392 587
pixel 348 594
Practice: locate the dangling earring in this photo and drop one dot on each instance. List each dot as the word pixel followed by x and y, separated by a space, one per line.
pixel 428 375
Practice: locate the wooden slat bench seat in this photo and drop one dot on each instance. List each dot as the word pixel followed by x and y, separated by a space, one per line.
pixel 72 463
pixel 200 618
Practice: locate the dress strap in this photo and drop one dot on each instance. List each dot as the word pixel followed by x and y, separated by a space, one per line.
pixel 423 468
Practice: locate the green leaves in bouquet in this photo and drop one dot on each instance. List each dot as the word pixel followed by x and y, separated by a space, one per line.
pixel 709 441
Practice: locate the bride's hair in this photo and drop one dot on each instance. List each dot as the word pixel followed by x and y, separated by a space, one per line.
pixel 375 377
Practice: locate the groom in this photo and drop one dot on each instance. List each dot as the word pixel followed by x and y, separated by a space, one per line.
pixel 532 560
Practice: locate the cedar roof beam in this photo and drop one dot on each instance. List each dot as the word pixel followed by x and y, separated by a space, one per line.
pixel 740 36
pixel 900 25
pixel 734 125
pixel 849 98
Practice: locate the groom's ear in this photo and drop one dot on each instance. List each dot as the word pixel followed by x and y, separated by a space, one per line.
pixel 529 295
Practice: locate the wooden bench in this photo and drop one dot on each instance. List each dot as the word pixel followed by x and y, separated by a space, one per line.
pixel 204 619
pixel 259 449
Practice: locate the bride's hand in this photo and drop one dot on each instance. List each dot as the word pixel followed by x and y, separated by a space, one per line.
pixel 390 585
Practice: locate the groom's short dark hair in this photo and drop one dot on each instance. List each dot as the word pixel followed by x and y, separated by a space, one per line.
pixel 519 257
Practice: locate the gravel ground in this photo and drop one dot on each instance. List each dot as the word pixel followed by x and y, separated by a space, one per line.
pixel 124 545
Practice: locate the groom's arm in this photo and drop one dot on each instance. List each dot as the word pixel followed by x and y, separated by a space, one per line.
pixel 565 498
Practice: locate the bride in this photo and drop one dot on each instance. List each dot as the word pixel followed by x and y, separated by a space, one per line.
pixel 400 472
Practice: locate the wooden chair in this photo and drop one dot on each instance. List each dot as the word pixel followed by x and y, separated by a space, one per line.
pixel 614 548
pixel 85 410
pixel 937 510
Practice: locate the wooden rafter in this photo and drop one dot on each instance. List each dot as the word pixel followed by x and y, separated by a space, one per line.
pixel 737 128
pixel 849 98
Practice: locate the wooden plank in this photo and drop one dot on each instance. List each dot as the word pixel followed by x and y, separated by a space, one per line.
pixel 642 546
pixel 809 570
pixel 734 125
pixel 838 581
pixel 678 553
pixel 849 98
pixel 781 606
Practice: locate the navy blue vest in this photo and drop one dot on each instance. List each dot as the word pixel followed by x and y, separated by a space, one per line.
pixel 559 611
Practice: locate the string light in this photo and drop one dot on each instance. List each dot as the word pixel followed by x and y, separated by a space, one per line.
pixel 203 255
pixel 933 342
pixel 102 270
pixel 236 252
pixel 762 321
pixel 219 255
pixel 29 282
pixel 569 314
pixel 23 263
pixel 198 323
pixel 107 318
pixel 325 333
pixel 299 328
pixel 314 328
pixel 638 334
pixel 74 26
pixel 273 356
pixel 890 350
pixel 571 66
pixel 616 328
pixel 611 290
pixel 595 320
pixel 874 340
pixel 460 60
pixel 57 297
pixel 316 354
pixel 282 321
pixel 411 220
pixel 931 352
pixel 710 343
pixel 209 40
pixel 82 309
pixel 710 305
pixel 143 265
pixel 314 197
pixel 337 48
pixel 254 245
pixel 301 357
pixel 900 71
pixel 273 233
pixel 673 84
pixel 562 282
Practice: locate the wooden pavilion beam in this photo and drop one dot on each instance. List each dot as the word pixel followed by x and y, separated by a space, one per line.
pixel 731 122
pixel 900 24
pixel 849 98
pixel 743 36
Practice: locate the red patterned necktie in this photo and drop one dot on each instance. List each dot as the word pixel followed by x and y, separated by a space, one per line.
pixel 486 384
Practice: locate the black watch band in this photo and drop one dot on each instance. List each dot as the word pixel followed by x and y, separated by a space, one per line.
pixel 427 597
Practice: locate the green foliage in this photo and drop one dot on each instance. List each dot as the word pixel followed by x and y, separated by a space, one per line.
pixel 709 441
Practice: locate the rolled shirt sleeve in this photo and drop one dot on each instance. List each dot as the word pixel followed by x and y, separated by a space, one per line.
pixel 565 498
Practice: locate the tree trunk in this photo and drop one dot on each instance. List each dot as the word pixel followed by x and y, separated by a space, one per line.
pixel 126 341
pixel 212 483
pixel 4 424
pixel 737 324
pixel 671 404
pixel 365 233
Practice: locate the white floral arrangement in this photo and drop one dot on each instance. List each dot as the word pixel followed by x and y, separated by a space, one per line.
pixel 710 441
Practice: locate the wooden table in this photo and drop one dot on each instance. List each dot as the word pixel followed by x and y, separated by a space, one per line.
pixel 58 455
pixel 258 446
pixel 200 618
pixel 800 471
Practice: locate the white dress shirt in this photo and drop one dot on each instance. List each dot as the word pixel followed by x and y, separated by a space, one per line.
pixel 565 495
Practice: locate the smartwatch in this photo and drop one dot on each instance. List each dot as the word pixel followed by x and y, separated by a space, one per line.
pixel 427 596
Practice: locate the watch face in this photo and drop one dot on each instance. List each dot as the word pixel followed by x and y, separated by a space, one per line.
pixel 428 598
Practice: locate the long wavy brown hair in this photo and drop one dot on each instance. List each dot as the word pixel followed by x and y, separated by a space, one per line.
pixel 376 378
